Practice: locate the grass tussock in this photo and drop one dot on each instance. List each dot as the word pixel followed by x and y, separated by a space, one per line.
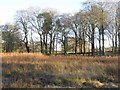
pixel 37 70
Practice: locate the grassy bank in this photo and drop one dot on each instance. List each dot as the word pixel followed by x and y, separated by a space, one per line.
pixel 37 70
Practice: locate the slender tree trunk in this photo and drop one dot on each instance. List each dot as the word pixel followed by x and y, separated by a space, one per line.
pixel 46 46
pixel 84 43
pixel 102 29
pixel 116 44
pixel 26 38
pixel 92 43
pixel 26 43
pixel 53 44
pixel 41 44
pixel 84 48
pixel 80 46
pixel 119 27
pixel 56 43
pixel 102 40
pixel 65 45
pixel 76 43
pixel 116 32
pixel 89 47
pixel 113 46
pixel 99 42
pixel 119 39
pixel 27 47
pixel 45 43
pixel 50 49
pixel 80 42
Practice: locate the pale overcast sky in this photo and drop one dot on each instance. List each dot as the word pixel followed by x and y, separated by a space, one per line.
pixel 8 8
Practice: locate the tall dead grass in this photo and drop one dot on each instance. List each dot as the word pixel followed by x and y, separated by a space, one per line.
pixel 61 71
pixel 38 56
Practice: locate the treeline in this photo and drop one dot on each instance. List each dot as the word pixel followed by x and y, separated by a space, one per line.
pixel 45 31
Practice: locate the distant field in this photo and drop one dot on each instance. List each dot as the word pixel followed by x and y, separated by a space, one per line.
pixel 35 70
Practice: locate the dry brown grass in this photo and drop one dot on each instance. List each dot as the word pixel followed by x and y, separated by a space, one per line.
pixel 38 70
pixel 19 57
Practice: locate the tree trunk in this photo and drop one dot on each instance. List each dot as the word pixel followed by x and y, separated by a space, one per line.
pixel 84 48
pixel 116 32
pixel 80 45
pixel 53 44
pixel 89 47
pixel 119 40
pixel 99 42
pixel 26 38
pixel 65 46
pixel 102 29
pixel 46 48
pixel 56 44
pixel 102 40
pixel 41 46
pixel 26 43
pixel 84 43
pixel 116 43
pixel 92 43
pixel 113 47
pixel 45 43
pixel 118 27
pixel 80 42
pixel 27 47
pixel 50 49
pixel 76 43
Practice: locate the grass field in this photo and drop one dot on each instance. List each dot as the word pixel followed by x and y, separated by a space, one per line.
pixel 34 70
